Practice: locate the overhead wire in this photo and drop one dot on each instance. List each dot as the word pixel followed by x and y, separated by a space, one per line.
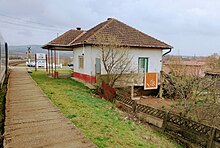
pixel 27 24
pixel 28 21
pixel 30 27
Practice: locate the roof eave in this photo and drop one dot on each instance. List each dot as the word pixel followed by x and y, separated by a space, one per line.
pixel 139 46
pixel 48 46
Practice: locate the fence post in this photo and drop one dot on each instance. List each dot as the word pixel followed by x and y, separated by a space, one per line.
pixel 161 84
pixel 134 105
pixel 114 99
pixel 211 138
pixel 165 121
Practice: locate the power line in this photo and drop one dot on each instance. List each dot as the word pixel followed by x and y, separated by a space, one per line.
pixel 21 28
pixel 28 21
pixel 31 27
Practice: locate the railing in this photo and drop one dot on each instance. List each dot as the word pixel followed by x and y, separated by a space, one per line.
pixel 125 100
pixel 150 111
pixel 184 130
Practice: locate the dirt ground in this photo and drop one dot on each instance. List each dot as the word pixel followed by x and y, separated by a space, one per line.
pixel 157 102
pixel 148 98
pixel 202 113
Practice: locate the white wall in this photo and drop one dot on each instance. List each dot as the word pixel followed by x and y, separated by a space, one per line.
pixel 91 53
pixel 154 58
pixel 80 52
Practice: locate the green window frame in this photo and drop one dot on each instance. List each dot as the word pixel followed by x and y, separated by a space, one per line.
pixel 142 64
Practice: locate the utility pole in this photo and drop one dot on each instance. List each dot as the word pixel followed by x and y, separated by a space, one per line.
pixel 58 54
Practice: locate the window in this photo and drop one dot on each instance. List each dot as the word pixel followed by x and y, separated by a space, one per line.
pixel 97 66
pixel 142 64
pixel 81 62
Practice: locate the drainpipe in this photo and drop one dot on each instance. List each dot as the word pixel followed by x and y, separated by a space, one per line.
pixel 163 56
pixel 83 49
pixel 167 52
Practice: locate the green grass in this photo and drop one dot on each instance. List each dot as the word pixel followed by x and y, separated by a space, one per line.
pixel 99 120
pixel 64 71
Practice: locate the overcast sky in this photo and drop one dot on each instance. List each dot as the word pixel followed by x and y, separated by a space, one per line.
pixel 192 27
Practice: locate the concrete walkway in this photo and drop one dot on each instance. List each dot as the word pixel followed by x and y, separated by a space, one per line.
pixel 33 121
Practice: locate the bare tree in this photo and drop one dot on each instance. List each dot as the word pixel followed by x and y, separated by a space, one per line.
pixel 196 95
pixel 115 58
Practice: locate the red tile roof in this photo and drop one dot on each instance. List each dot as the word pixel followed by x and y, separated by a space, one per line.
pixel 185 63
pixel 67 37
pixel 125 34
pixel 215 71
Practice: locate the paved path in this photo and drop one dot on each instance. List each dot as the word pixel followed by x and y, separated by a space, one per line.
pixel 33 121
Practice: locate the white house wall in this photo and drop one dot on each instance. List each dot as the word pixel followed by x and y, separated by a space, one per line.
pixel 89 60
pixel 154 58
pixel 91 53
pixel 80 52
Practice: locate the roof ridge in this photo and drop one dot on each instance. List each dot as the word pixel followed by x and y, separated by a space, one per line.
pixel 109 20
pixel 81 34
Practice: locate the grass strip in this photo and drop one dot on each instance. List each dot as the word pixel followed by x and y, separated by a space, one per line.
pixel 98 119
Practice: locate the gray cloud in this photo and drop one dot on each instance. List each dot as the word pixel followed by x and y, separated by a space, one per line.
pixel 192 27
pixel 25 33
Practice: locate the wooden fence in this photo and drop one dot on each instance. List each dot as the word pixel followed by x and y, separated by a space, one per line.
pixel 187 131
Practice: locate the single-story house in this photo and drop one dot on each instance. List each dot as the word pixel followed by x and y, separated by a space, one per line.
pixel 147 52
pixel 188 68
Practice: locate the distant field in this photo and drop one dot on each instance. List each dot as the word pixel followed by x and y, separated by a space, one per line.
pixel 98 119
